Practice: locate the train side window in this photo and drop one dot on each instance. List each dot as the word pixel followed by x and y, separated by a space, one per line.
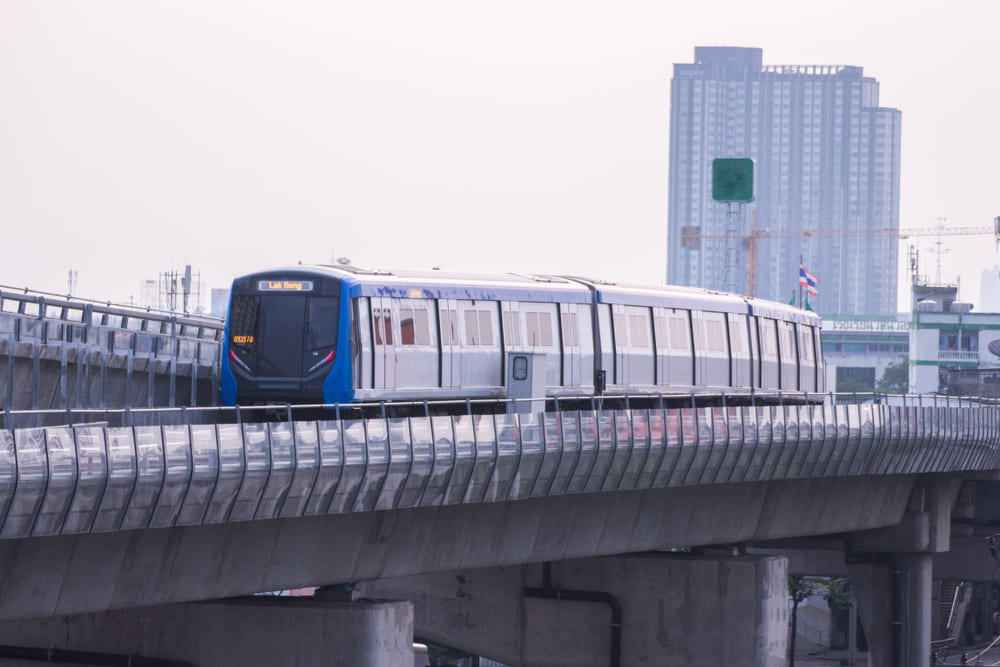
pixel 770 336
pixel 678 331
pixel 621 331
pixel 545 327
pixel 512 328
pixel 539 329
pixel 698 327
pixel 737 334
pixel 787 341
pixel 383 326
pixel 413 326
pixel 407 335
pixel 443 326
pixel 660 330
pixel 321 322
pixel 715 332
pixel 485 329
pixel 449 326
pixel 471 328
pixel 570 330
pixel 638 332
pixel 478 330
pixel 805 343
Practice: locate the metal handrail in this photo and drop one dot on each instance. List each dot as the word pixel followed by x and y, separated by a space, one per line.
pixel 45 301
pixel 238 413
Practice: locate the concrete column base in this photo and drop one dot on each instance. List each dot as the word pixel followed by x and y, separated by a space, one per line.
pixel 684 610
pixel 243 631
pixel 894 602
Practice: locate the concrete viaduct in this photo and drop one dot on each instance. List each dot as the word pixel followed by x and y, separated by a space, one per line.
pixel 614 536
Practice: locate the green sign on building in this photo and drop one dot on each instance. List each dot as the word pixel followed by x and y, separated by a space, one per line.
pixel 732 179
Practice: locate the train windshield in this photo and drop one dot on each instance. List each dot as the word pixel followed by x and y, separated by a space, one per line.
pixel 282 334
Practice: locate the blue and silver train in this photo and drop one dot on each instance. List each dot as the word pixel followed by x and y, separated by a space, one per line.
pixel 346 334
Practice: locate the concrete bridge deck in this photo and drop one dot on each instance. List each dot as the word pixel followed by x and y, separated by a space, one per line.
pixel 285 504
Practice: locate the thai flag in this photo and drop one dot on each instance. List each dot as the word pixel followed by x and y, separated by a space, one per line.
pixel 808 280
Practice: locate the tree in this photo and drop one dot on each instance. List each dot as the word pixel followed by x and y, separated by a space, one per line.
pixel 800 588
pixel 896 378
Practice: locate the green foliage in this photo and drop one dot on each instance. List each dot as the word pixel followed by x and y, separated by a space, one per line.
pixel 896 378
pixel 799 588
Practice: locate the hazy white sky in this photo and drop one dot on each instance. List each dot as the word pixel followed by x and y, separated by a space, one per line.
pixel 136 137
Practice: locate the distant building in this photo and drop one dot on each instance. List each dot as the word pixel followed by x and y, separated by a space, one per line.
pixel 826 158
pixel 857 350
pixel 953 349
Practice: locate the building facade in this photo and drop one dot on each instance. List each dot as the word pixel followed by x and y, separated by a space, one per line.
pixel 826 180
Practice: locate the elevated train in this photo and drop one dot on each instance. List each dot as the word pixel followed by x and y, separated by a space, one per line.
pixel 347 334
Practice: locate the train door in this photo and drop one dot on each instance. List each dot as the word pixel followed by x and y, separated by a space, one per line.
pixel 755 352
pixel 571 344
pixel 739 351
pixel 451 349
pixel 769 360
pixel 541 335
pixel 584 358
pixel 416 347
pixel 807 358
pixel 711 349
pixel 623 374
pixel 361 343
pixel 607 350
pixel 818 349
pixel 482 358
pixel 384 352
pixel 640 352
pixel 788 352
pixel 674 348
pixel 699 348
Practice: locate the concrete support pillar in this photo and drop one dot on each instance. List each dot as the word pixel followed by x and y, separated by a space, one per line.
pixel 673 609
pixel 913 577
pixel 871 583
pixel 891 569
pixel 260 630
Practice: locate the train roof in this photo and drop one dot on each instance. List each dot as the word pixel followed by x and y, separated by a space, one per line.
pixel 435 284
pixel 677 296
pixel 666 296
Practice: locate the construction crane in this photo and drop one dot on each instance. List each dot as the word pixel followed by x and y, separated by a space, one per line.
pixel 751 240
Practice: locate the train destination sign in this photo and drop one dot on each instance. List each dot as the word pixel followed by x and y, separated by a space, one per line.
pixel 285 285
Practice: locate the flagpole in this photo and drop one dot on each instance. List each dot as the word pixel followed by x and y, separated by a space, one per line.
pixel 800 283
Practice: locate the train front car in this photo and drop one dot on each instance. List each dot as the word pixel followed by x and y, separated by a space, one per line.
pixel 287 339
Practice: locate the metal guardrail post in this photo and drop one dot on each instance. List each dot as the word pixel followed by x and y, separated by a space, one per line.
pixel 63 365
pixel 150 371
pixel 103 377
pixel 128 380
pixel 193 397
pixel 173 381
pixel 10 370
pixel 36 350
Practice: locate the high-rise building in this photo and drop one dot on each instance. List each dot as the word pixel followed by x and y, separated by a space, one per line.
pixel 826 158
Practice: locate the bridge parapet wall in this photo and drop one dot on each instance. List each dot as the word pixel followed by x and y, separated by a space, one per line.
pixel 70 354
pixel 60 480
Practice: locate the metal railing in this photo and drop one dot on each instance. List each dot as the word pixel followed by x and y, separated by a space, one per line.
pixel 89 335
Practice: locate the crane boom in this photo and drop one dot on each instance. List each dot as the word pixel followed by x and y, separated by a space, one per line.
pixel 751 240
